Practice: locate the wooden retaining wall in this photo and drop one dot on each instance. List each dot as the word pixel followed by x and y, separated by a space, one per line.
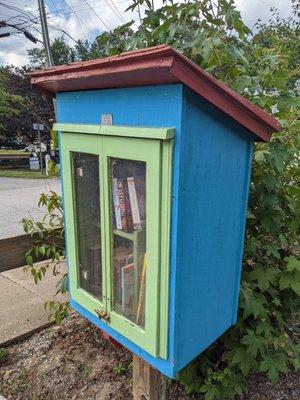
pixel 12 251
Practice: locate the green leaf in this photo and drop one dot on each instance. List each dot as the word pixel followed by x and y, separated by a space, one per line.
pixel 290 279
pixel 293 263
pixel 29 260
pixel 273 365
pixel 255 343
pixel 242 82
pixel 263 277
pixel 42 250
pixel 210 391
pixel 244 359
pixel 266 328
pixel 260 155
pixel 255 305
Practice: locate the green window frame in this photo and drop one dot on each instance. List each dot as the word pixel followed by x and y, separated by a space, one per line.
pixel 154 147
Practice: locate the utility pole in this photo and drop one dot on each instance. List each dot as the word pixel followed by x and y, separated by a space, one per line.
pixel 45 33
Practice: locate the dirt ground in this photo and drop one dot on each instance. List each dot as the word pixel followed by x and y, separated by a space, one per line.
pixel 73 361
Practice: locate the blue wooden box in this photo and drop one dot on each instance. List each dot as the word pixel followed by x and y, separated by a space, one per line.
pixel 210 167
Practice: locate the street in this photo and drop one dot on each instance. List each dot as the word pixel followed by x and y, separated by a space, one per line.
pixel 18 199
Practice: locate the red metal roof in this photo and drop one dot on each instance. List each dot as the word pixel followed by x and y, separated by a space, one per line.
pixel 153 66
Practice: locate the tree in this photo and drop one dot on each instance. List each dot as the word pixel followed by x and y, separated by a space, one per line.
pixel 111 43
pixel 11 105
pixel 106 44
pixel 21 106
pixel 263 66
pixel 62 54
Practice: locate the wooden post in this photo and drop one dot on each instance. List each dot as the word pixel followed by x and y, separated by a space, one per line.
pixel 147 382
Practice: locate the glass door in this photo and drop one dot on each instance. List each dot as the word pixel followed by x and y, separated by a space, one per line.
pixel 113 199
pixel 81 159
pixel 132 194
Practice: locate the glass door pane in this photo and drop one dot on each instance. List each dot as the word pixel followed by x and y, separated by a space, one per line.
pixel 129 259
pixel 87 221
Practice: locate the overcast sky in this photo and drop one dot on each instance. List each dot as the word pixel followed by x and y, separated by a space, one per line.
pixel 81 21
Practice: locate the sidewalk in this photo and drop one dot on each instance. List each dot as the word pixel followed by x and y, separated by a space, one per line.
pixel 22 303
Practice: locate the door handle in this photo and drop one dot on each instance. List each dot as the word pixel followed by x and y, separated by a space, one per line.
pixel 102 314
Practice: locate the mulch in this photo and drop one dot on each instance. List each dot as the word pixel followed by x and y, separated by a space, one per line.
pixel 73 361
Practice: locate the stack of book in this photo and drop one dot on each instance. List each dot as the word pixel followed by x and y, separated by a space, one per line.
pixel 129 200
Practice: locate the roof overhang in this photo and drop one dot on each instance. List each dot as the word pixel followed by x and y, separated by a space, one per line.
pixel 154 66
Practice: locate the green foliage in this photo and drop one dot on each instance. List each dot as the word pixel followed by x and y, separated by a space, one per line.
pixel 111 43
pixel 62 54
pixel 49 244
pixel 11 104
pixel 3 353
pixel 57 310
pixel 20 107
pixel 262 65
pixel 119 369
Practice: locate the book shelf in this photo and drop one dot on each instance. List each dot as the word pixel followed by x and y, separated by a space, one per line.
pixel 125 235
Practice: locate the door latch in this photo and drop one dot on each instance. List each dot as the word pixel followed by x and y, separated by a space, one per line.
pixel 102 314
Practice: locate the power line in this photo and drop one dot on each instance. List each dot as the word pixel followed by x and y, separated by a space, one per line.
pixel 33 20
pixel 118 16
pixel 26 13
pixel 79 8
pixel 118 11
pixel 96 14
pixel 60 17
pixel 79 19
pixel 63 31
pixel 27 34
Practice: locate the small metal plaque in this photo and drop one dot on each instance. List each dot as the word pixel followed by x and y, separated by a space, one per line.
pixel 106 119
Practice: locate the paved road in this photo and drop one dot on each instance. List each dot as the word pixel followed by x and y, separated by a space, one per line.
pixel 18 199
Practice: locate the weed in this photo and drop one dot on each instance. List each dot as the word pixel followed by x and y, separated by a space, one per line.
pixel 119 369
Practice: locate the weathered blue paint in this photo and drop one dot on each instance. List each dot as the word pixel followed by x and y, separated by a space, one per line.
pixel 213 186
pixel 211 172
pixel 155 106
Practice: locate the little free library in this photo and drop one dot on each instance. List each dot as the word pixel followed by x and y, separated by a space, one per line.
pixel 156 162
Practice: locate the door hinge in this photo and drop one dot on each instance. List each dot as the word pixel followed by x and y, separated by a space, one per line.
pixel 102 314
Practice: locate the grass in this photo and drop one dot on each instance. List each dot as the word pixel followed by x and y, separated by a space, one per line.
pixel 11 151
pixel 22 173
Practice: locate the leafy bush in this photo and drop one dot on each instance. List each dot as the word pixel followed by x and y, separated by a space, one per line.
pixel 49 243
pixel 264 67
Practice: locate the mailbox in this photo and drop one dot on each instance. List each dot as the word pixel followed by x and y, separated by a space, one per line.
pixel 156 161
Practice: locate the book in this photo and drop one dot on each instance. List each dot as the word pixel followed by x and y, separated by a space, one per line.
pixel 140 313
pixel 116 201
pixel 136 218
pixel 95 270
pixel 127 284
pixel 140 187
pixel 122 257
pixel 125 209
